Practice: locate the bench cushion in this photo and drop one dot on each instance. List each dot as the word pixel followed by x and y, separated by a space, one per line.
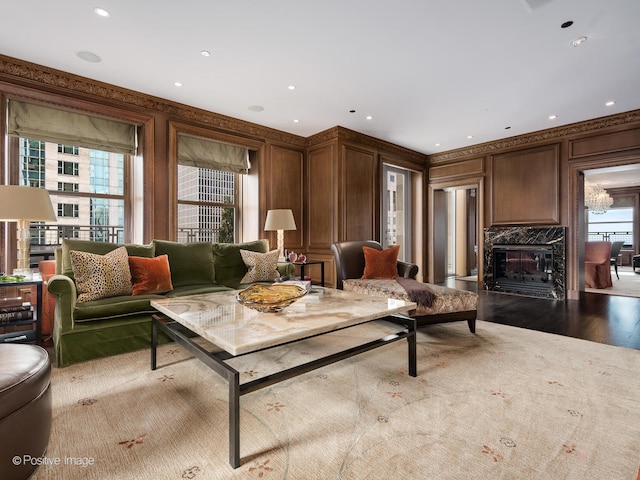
pixel 445 299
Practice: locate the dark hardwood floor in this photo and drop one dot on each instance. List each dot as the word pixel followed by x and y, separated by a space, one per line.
pixel 609 319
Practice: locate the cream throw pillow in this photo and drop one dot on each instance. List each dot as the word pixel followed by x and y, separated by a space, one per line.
pixel 262 267
pixel 101 276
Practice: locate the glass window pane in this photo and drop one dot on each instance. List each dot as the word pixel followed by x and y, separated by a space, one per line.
pixel 614 225
pixel 206 205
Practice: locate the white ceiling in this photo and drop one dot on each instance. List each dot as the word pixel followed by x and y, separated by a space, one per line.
pixel 428 71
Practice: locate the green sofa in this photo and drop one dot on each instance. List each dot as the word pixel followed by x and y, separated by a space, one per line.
pixel 109 326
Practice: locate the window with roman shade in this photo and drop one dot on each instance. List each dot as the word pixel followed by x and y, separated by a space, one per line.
pixel 84 162
pixel 207 190
pixel 205 153
pixel 47 124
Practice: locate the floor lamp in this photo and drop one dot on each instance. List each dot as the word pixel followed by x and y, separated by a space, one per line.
pixel 280 220
pixel 25 205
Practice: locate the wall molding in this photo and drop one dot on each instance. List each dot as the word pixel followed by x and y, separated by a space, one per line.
pixel 382 146
pixel 551 134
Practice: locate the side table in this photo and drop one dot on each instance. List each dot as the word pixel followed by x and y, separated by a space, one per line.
pixel 25 336
pixel 311 262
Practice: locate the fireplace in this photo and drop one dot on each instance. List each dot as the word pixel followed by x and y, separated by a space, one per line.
pixel 525 261
pixel 525 269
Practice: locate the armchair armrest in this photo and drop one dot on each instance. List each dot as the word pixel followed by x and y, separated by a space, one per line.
pixel 66 294
pixel 407 270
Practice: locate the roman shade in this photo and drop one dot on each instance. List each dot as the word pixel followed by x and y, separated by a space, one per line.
pixel 37 122
pixel 205 153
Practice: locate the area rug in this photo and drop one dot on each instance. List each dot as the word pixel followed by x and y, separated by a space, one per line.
pixel 506 403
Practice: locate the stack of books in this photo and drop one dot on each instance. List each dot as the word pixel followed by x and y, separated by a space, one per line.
pixel 13 309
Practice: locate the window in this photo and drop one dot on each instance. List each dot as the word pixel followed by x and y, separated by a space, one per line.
pixel 68 210
pixel 68 168
pixel 615 225
pixel 207 205
pixel 68 149
pixel 68 187
pixel 32 154
pixel 396 210
pixel 92 206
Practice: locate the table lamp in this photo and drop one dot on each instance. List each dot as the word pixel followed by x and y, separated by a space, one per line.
pixel 280 220
pixel 24 205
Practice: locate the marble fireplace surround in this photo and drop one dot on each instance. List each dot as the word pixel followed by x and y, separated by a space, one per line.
pixel 553 236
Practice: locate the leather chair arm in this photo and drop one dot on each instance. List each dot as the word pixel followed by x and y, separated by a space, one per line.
pixel 407 270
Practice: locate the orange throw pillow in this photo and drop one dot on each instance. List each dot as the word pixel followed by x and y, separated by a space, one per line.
pixel 381 263
pixel 150 275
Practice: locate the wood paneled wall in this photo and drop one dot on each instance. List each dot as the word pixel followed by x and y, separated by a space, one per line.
pixel 533 174
pixel 331 180
pixel 535 179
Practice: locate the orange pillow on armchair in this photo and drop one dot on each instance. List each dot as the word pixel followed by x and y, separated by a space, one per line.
pixel 381 264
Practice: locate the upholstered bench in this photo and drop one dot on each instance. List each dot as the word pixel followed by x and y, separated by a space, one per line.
pixel 447 304
pixel 25 408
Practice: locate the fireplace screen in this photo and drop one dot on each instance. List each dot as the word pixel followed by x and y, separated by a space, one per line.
pixel 523 268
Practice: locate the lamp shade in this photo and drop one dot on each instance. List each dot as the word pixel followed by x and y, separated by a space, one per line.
pixel 281 219
pixel 25 203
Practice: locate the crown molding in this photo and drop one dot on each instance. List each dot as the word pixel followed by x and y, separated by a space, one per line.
pixel 557 133
pixel 382 146
pixel 30 75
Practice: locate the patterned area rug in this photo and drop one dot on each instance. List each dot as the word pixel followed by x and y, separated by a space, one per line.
pixel 506 403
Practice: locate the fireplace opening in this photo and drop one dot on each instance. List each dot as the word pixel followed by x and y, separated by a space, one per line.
pixel 523 269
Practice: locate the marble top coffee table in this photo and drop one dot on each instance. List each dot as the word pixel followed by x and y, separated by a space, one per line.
pixel 240 330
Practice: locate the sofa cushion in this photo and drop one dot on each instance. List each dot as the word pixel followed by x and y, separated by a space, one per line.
pixel 230 267
pixel 100 248
pixel 101 276
pixel 196 290
pixel 382 264
pixel 114 307
pixel 150 275
pixel 190 263
pixel 261 267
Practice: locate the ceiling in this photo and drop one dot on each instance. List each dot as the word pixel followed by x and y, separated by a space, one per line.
pixel 430 73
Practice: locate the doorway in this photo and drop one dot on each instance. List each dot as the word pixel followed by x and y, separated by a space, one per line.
pixel 455 233
pixel 462 233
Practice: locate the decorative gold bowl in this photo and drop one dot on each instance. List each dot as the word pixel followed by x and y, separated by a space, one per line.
pixel 270 298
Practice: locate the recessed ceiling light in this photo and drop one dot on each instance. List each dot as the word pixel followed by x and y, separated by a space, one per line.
pixel 352 111
pixel 437 144
pixel 579 41
pixel 369 117
pixel 610 103
pixel 507 128
pixel 88 56
pixel 296 121
pixel 177 84
pixel 205 53
pixel 553 117
pixel 101 12
pixel 256 108
pixel 566 24
pixel 291 87
pixel 469 136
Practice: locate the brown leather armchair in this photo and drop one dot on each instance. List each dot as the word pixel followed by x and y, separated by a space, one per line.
pixel 349 259
pixel 597 265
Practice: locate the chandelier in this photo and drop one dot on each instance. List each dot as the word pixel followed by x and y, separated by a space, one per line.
pixel 596 199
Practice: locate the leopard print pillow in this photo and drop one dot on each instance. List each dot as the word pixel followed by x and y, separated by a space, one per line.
pixel 262 267
pixel 101 276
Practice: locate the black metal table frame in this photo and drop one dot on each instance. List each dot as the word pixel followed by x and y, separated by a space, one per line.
pixel 216 361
